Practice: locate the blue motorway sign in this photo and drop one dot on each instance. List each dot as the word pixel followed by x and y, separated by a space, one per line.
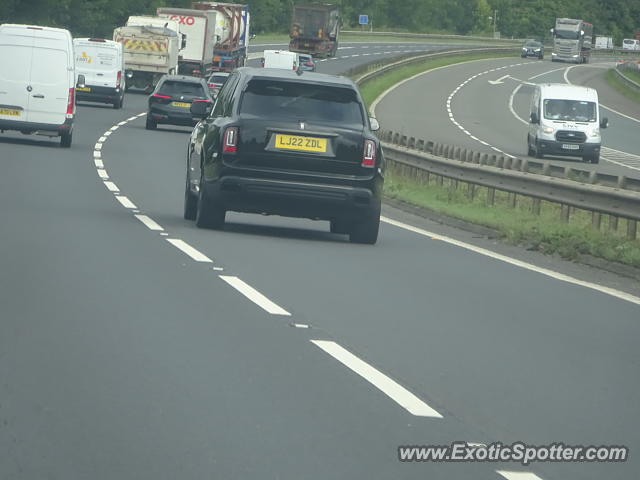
pixel 363 20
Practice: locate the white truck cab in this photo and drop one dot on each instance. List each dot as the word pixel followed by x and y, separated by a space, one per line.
pixel 37 81
pixel 101 62
pixel 565 120
pixel 280 59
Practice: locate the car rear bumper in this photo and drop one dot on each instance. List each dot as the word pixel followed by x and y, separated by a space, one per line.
pixel 294 199
pixel 100 94
pixel 32 127
pixel 172 117
pixel 552 147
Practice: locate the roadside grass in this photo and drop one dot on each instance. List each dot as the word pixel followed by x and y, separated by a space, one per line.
pixel 618 84
pixel 364 37
pixel 375 87
pixel 520 226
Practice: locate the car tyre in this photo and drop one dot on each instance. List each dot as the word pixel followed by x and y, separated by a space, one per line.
pixel 595 158
pixel 65 140
pixel 530 151
pixel 339 226
pixel 151 124
pixel 190 201
pixel 538 152
pixel 117 104
pixel 208 215
pixel 541 57
pixel 365 230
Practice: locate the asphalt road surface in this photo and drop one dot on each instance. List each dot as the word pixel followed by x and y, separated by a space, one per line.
pixel 135 346
pixel 484 105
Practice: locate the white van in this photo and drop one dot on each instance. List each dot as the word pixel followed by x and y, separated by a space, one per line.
pixel 280 59
pixel 565 120
pixel 102 64
pixel 630 44
pixel 37 81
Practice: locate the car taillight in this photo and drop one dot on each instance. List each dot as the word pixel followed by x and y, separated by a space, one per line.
pixel 157 95
pixel 369 154
pixel 230 140
pixel 211 85
pixel 71 101
pixel 202 100
pixel 309 64
pixel 119 79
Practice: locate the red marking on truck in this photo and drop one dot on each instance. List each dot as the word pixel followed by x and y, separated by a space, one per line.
pixel 183 20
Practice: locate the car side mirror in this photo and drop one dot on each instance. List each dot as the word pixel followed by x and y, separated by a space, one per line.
pixel 604 122
pixel 200 110
pixel 183 44
pixel 535 118
pixel 81 81
pixel 375 126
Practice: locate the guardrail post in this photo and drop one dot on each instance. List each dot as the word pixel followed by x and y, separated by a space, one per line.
pixel 476 157
pixel 492 160
pixel 565 213
pixel 491 196
pixel 507 162
pixel 524 165
pixel 429 147
pixel 632 229
pixel 471 191
pixel 396 139
pixel 484 159
pixel 593 177
pixel 403 141
pixel 596 220
pixel 500 162
pixel 622 182
pixel 420 145
pixel 412 143
pixel 613 223
pixel 445 152
pixel 513 200
pixel 440 180
pixel 535 206
pixel 456 153
pixel 546 168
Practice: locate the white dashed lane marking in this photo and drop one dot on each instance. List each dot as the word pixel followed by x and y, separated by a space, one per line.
pixel 189 250
pixel 112 187
pixel 125 202
pixel 255 296
pixel 149 223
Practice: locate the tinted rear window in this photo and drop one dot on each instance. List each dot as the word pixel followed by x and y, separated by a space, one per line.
pixel 218 78
pixel 173 88
pixel 301 101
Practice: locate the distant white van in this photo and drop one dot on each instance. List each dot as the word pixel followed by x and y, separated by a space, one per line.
pixel 280 59
pixel 565 120
pixel 630 44
pixel 37 81
pixel 102 64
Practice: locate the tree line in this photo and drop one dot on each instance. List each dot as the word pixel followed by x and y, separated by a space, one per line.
pixel 512 18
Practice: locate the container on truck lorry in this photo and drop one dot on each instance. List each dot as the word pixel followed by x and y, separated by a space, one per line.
pixel 144 20
pixel 37 81
pixel 571 40
pixel 149 53
pixel 199 26
pixel 604 43
pixel 315 28
pixel 101 62
pixel 231 34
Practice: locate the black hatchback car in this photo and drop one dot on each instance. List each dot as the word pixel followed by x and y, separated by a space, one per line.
pixel 532 48
pixel 172 98
pixel 285 143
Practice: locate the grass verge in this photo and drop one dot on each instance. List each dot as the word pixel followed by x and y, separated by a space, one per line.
pixel 618 84
pixel 519 225
pixel 374 88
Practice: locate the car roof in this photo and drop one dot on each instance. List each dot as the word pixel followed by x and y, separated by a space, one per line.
pixel 220 74
pixel 292 75
pixel 183 78
pixel 568 92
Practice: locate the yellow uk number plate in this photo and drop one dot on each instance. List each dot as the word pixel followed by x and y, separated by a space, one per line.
pixel 305 144
pixel 181 104
pixel 84 89
pixel 10 111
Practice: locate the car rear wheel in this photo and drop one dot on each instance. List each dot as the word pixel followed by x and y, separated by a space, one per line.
pixel 208 214
pixel 365 230
pixel 151 124
pixel 65 140
pixel 117 104
pixel 190 201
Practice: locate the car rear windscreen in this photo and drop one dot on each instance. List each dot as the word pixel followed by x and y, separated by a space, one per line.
pixel 176 88
pixel 218 79
pixel 301 101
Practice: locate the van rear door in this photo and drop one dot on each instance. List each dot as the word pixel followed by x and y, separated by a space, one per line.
pixel 52 78
pixel 98 62
pixel 15 50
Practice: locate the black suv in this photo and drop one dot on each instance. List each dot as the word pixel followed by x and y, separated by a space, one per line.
pixel 286 143
pixel 532 48
pixel 171 100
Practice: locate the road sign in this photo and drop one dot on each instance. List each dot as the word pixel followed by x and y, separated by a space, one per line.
pixel 363 20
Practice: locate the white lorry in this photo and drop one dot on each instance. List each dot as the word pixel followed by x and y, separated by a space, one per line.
pixel 200 28
pixel 149 52
pixel 604 43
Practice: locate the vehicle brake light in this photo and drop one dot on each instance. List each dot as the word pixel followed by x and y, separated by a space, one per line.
pixel 211 85
pixel 157 95
pixel 71 101
pixel 202 100
pixel 230 141
pixel 119 79
pixel 369 154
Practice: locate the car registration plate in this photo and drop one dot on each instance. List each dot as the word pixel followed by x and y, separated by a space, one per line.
pixel 12 112
pixel 297 142
pixel 84 89
pixel 568 146
pixel 181 104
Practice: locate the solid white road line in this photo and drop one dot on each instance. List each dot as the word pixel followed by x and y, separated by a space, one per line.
pixel 518 475
pixel 125 202
pixel 189 250
pixel 149 223
pixel 518 263
pixel 254 295
pixel 392 389
pixel 112 187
